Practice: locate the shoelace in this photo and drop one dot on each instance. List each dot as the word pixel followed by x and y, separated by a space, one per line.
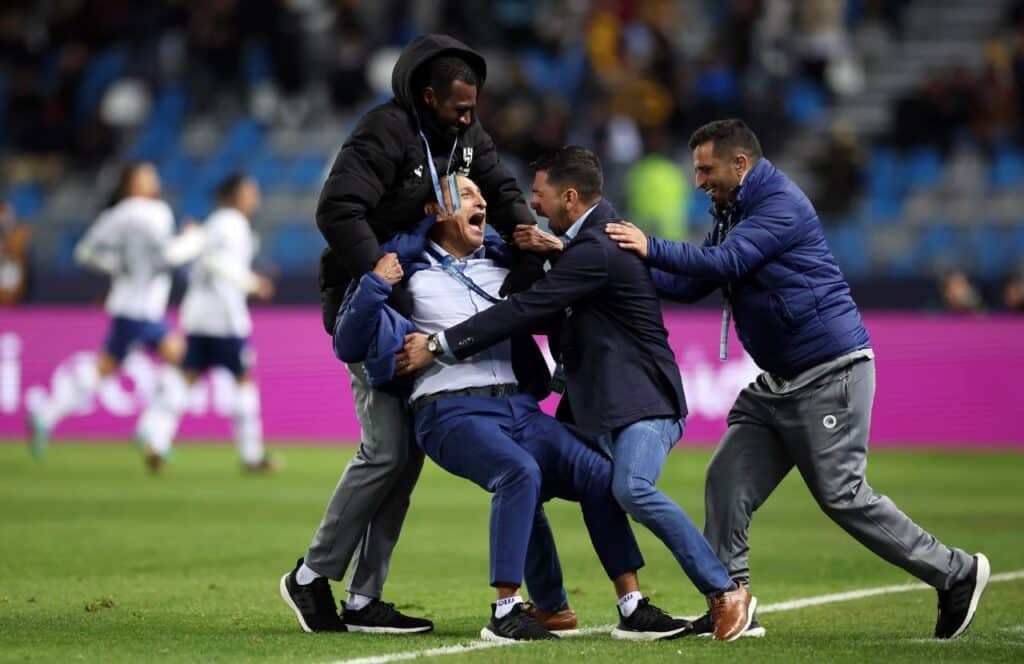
pixel 649 613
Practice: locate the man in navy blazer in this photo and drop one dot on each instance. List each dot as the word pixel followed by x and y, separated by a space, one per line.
pixel 622 381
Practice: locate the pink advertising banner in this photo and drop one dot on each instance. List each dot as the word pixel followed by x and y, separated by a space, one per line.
pixel 942 381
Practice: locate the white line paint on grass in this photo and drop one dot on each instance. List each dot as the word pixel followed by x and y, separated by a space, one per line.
pixel 791 605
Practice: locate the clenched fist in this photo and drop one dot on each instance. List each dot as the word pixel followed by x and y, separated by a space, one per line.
pixel 389 269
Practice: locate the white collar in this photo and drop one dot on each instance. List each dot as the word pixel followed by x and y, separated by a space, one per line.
pixel 571 233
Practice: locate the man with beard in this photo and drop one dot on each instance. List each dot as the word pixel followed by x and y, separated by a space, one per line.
pixel 384 174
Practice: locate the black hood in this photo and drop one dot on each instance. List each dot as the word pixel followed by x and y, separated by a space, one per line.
pixel 418 52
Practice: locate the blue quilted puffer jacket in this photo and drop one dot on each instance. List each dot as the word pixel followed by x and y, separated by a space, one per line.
pixel 791 304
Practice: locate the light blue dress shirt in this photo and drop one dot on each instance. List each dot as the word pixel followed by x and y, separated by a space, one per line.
pixel 441 301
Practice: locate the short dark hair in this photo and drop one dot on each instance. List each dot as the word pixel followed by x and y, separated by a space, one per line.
pixel 573 166
pixel 730 136
pixel 124 181
pixel 229 186
pixel 441 72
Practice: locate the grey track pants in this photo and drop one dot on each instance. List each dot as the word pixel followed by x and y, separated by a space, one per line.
pixel 366 512
pixel 822 429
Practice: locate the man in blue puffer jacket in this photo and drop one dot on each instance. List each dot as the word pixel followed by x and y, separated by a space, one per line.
pixel 811 408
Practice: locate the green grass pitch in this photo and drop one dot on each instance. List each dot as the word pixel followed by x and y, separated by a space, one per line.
pixel 100 562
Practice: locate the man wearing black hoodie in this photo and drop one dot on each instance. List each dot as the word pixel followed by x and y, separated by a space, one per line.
pixel 384 174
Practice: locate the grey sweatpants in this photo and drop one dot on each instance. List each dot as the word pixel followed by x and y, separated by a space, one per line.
pixel 822 429
pixel 369 504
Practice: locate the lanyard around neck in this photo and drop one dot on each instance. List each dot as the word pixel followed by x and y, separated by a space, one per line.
pixel 437 180
pixel 448 265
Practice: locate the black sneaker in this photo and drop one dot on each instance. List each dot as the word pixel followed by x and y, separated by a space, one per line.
pixel 379 617
pixel 649 623
pixel 958 604
pixel 705 627
pixel 313 604
pixel 517 625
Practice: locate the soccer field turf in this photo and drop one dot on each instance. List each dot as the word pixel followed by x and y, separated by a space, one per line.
pixel 100 562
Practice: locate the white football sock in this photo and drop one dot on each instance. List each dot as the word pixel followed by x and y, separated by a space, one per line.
pixel 306 575
pixel 248 427
pixel 628 603
pixel 355 601
pixel 504 606
pixel 159 423
pixel 70 395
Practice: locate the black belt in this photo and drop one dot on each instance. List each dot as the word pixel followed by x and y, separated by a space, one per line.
pixel 502 390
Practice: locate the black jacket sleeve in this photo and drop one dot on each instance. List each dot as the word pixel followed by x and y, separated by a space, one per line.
pixel 364 169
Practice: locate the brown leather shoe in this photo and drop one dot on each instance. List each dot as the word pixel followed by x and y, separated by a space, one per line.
pixel 556 621
pixel 732 612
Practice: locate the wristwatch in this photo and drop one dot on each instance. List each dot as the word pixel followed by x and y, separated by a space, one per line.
pixel 434 345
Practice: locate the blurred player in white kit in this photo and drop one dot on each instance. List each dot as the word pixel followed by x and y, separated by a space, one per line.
pixel 133 242
pixel 215 316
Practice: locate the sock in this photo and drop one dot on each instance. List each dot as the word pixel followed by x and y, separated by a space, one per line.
pixel 69 395
pixel 504 606
pixel 306 575
pixel 356 602
pixel 628 603
pixel 159 423
pixel 248 427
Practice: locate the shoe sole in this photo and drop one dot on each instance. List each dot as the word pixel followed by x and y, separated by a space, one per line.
pixel 366 629
pixel 287 597
pixel 750 618
pixel 487 635
pixel 629 635
pixel 749 633
pixel 979 587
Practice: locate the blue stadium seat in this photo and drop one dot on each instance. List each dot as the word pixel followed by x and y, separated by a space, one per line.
pixel 256 63
pixel 885 177
pixel 990 251
pixel 177 171
pixel 243 138
pixel 195 204
pixel 296 249
pixel 923 168
pixel 849 245
pixel 882 209
pixel 1007 171
pixel 307 172
pixel 63 258
pixel 940 243
pixel 28 200
pixel 267 170
pixel 805 102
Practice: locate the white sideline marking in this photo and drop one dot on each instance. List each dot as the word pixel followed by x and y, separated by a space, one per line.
pixel 791 605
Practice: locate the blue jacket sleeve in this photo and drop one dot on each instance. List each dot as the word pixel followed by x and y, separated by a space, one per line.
pixel 355 328
pixel 680 288
pixel 768 231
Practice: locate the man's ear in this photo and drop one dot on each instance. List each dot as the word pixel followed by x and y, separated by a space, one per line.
pixel 429 97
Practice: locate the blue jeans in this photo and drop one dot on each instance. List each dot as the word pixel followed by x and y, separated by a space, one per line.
pixel 638 453
pixel 511 449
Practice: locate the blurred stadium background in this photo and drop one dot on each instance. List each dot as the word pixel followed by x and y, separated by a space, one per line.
pixel 900 118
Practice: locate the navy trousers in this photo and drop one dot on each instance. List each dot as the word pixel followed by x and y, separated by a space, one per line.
pixel 511 449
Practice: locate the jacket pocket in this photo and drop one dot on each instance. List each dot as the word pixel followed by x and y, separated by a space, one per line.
pixel 778 306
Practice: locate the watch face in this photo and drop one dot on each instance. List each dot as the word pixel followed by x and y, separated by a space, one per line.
pixel 432 344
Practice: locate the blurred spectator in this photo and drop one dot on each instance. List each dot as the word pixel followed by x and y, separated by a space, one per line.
pixel 14 246
pixel 840 167
pixel 995 111
pixel 657 191
pixel 958 294
pixel 1013 293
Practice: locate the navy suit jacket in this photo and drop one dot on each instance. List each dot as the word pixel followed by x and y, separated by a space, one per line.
pixel 619 367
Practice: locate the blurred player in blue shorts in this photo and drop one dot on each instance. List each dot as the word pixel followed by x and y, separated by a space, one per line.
pixel 215 316
pixel 133 242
